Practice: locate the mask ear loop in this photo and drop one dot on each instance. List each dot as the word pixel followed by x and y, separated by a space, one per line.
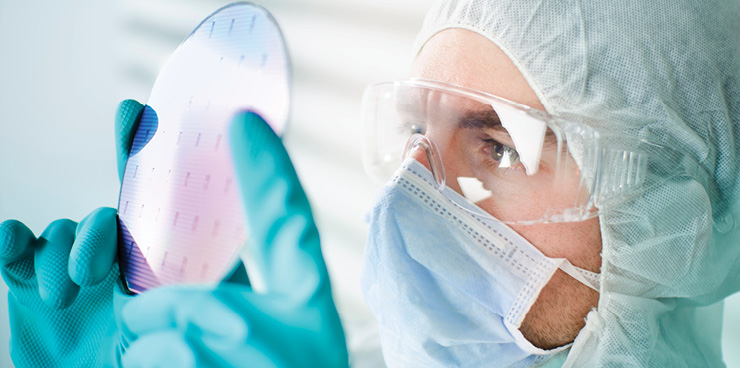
pixel 588 278
pixel 434 158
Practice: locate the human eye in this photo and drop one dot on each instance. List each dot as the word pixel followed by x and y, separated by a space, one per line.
pixel 499 155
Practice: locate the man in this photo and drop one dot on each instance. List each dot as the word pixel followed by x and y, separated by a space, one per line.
pixel 656 73
pixel 660 80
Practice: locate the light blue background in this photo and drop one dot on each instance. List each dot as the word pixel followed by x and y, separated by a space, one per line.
pixel 65 65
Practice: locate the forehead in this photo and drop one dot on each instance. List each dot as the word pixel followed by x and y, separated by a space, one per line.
pixel 468 59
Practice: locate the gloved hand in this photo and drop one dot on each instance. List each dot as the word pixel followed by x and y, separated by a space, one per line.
pixel 291 323
pixel 61 299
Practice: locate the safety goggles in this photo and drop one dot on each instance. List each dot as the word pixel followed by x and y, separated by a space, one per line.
pixel 519 164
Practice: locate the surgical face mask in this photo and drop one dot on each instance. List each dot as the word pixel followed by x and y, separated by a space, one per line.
pixel 449 284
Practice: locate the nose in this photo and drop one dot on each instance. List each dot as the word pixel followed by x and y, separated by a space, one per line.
pixel 418 153
pixel 419 147
pixel 423 150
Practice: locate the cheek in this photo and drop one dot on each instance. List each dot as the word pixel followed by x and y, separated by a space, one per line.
pixel 520 198
pixel 579 242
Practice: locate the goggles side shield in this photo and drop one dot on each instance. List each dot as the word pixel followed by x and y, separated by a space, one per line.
pixel 519 164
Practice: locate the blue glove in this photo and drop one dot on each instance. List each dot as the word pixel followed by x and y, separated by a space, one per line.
pixel 291 323
pixel 61 299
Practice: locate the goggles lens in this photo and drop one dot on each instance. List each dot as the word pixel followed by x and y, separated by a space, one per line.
pixel 519 164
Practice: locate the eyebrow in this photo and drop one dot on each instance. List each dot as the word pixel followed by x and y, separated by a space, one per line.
pixel 488 119
pixel 480 119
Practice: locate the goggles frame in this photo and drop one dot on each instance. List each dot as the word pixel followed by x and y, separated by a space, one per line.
pixel 614 166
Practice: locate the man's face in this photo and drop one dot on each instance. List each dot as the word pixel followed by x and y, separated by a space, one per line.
pixel 465 58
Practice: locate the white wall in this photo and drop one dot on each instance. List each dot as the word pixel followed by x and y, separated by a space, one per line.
pixel 65 65
pixel 56 102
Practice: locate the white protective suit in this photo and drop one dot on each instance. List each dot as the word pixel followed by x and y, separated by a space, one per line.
pixel 669 72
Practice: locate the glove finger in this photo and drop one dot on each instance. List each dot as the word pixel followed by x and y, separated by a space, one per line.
pixel 217 323
pixel 16 252
pixel 165 348
pixel 177 307
pixel 127 118
pixel 94 248
pixel 284 241
pixel 56 288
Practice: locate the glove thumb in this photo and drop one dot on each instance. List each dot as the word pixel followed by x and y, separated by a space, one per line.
pixel 128 114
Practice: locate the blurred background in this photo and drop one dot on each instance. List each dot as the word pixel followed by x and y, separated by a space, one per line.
pixel 65 65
